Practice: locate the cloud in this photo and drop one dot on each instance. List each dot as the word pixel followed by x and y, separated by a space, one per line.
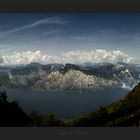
pixel 28 57
pixel 98 56
pixel 22 58
pixel 115 55
pixel 51 20
pixel 78 56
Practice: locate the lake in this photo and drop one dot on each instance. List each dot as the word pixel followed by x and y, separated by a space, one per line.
pixel 64 105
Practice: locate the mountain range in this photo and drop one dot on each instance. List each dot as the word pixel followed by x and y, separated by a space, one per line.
pixel 69 77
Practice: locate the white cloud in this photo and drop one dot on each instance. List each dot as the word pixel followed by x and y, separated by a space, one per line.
pixel 51 20
pixel 68 57
pixel 97 56
pixel 103 55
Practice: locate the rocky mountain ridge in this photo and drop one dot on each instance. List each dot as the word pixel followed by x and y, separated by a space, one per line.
pixel 71 76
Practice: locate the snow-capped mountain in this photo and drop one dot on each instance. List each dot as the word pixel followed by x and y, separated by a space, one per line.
pixel 71 76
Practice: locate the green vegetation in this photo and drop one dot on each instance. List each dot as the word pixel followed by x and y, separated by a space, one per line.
pixel 46 120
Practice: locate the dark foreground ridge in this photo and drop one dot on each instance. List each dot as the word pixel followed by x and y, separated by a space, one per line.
pixel 10 112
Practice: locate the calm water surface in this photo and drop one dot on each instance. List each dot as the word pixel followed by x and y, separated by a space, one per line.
pixel 64 104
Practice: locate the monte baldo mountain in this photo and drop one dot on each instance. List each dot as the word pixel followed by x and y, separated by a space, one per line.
pixel 70 77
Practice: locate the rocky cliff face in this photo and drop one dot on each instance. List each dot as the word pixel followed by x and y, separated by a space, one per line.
pixel 74 80
pixel 69 77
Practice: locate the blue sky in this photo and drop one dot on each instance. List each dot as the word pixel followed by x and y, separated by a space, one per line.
pixel 54 33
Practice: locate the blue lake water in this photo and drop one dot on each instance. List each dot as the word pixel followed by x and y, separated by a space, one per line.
pixel 64 104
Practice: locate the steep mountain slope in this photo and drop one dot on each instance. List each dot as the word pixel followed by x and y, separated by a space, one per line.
pixel 74 80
